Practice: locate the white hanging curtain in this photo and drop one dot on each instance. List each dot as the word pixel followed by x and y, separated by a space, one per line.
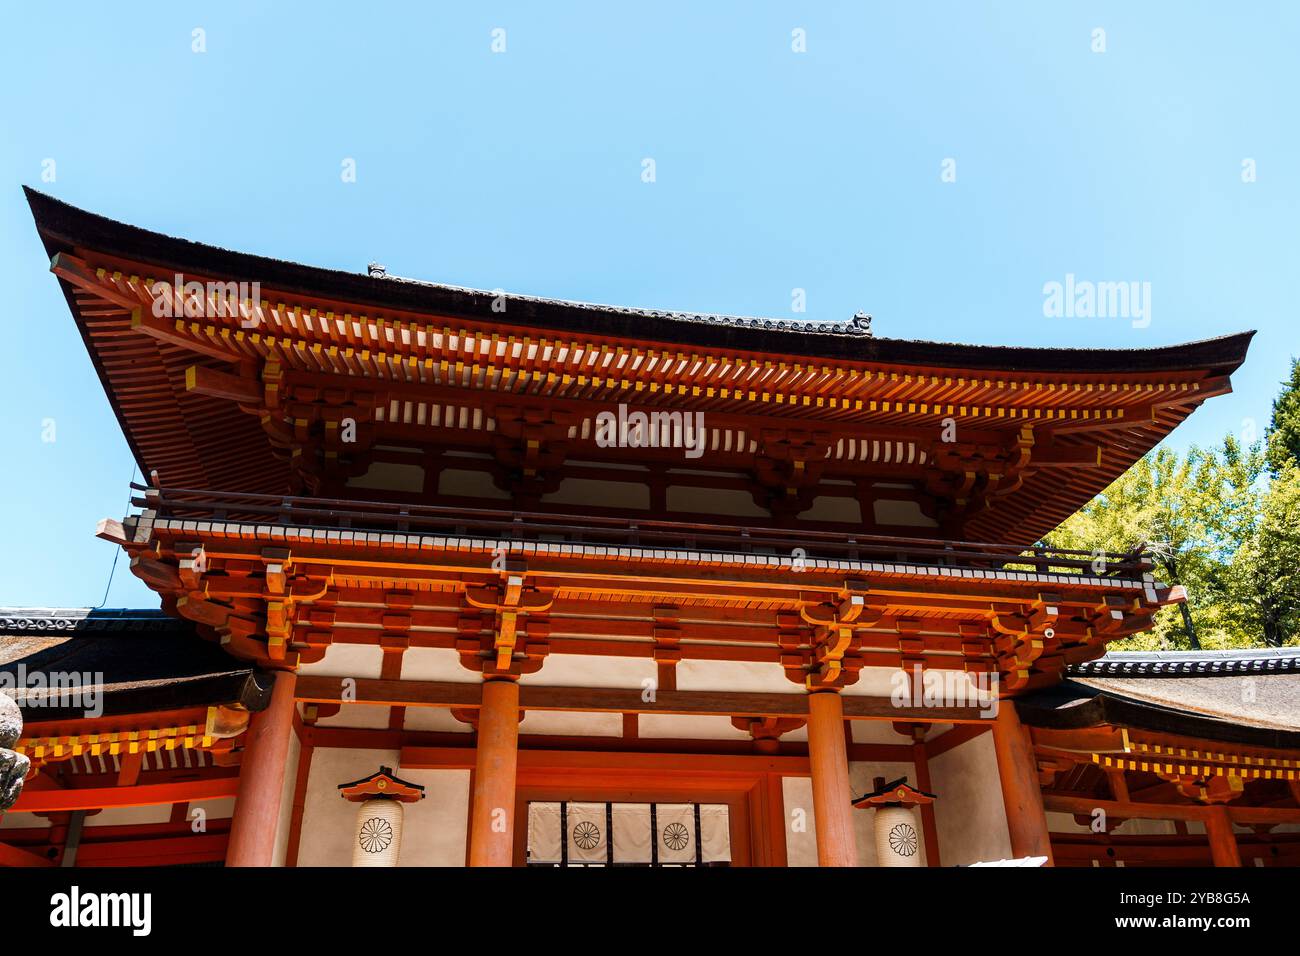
pixel 676 825
pixel 544 838
pixel 715 833
pixel 586 827
pixel 667 836
pixel 632 835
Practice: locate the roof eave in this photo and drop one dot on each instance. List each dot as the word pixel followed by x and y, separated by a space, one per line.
pixel 63 227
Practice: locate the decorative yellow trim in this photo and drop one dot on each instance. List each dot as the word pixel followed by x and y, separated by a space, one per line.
pixel 190 736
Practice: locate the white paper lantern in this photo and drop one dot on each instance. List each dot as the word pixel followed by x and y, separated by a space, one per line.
pixel 379 833
pixel 898 838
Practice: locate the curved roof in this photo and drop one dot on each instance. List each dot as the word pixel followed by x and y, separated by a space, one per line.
pixel 134 661
pixel 1249 696
pixel 1102 408
pixel 63 226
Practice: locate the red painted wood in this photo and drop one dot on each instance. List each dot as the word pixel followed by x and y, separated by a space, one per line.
pixel 491 839
pixel 836 843
pixel 261 779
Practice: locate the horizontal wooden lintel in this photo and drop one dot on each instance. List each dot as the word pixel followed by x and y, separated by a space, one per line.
pixel 96 798
pixel 400 693
pixel 1087 806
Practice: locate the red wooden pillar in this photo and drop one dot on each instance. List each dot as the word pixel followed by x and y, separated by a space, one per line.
pixel 921 761
pixel 261 778
pixel 1223 843
pixel 832 796
pixel 1021 795
pixel 492 824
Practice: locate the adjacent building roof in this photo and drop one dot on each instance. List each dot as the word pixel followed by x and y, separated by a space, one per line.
pixel 1243 696
pixel 131 661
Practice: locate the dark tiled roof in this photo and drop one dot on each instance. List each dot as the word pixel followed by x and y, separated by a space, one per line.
pixel 860 324
pixel 1242 696
pixel 1271 660
pixel 63 227
pixel 135 661
pixel 47 620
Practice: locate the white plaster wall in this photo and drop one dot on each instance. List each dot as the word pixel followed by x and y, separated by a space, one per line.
pixel 222 809
pixel 433 831
pixel 735 676
pixel 437 719
pixel 800 823
pixel 436 663
pixel 116 816
pixel 969 814
pixel 606 494
pixel 894 511
pixel 122 816
pixel 590 670
pixel 732 502
pixel 798 735
pixel 471 484
pixel 831 508
pixel 565 723
pixel 873 682
pixel 390 476
pixel 357 661
pixel 1058 822
pixel 877 732
pixel 689 726
pixel 360 716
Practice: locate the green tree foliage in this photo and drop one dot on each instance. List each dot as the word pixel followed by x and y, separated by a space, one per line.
pixel 1263 576
pixel 1223 522
pixel 1284 429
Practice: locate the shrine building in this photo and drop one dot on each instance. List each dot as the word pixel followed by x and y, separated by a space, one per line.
pixel 456 577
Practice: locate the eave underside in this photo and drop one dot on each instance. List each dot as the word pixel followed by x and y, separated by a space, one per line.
pixel 419 346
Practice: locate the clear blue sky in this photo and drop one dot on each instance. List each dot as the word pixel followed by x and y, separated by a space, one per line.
pixel 775 170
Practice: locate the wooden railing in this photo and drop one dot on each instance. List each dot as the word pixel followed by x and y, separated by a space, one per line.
pixel 507 525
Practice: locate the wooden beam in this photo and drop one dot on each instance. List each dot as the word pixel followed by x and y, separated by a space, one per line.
pixel 1054 454
pixel 1063 803
pixel 14 856
pixel 209 381
pixel 168 851
pixel 607 761
pixel 404 693
pixel 146 795
pixel 77 272
pixel 129 774
pixel 169 332
pixel 954 738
